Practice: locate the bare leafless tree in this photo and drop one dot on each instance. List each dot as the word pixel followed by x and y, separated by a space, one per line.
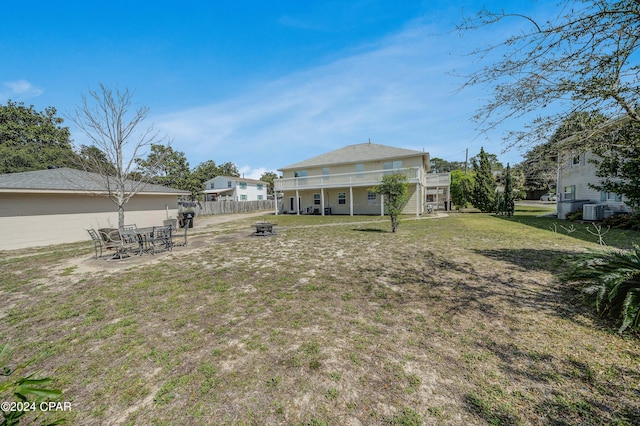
pixel 113 127
pixel 584 60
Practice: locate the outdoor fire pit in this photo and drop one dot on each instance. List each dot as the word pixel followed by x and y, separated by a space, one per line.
pixel 264 229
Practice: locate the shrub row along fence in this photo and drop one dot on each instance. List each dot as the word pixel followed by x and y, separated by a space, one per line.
pixel 209 208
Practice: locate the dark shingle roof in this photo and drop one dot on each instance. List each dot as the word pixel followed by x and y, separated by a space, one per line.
pixel 65 179
pixel 360 153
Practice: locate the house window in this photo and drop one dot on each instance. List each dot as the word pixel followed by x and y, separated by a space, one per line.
pixel 342 198
pixel 359 170
pixel 569 193
pixel 325 174
pixel 316 199
pixel 211 185
pixel 372 197
pixel 391 165
pixel 229 183
pixel 259 187
pixel 610 196
pixel 243 197
pixel 260 197
pixel 243 185
pixel 576 160
pixel 301 174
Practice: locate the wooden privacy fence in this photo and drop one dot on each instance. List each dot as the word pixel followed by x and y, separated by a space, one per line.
pixel 209 208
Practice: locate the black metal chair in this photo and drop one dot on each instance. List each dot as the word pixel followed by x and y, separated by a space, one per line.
pixel 97 241
pixel 161 237
pixel 121 242
pixel 131 240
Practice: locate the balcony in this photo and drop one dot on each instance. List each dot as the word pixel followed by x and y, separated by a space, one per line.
pixel 432 180
pixel 342 180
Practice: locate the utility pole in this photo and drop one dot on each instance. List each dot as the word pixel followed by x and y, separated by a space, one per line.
pixel 466 160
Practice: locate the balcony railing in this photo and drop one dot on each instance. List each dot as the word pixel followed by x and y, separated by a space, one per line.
pixel 437 179
pixel 369 178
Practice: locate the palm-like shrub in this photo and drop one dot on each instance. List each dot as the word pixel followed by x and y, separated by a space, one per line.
pixel 20 390
pixel 613 280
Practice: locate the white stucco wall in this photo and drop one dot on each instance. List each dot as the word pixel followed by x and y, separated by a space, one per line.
pixel 30 220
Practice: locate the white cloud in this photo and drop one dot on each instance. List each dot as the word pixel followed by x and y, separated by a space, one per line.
pixel 249 173
pixel 395 92
pixel 20 89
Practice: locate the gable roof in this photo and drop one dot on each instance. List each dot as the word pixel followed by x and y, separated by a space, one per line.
pixel 69 180
pixel 359 153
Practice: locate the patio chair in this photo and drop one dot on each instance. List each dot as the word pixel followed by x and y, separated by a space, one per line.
pixel 110 238
pixel 97 241
pixel 161 237
pixel 131 241
pixel 114 239
pixel 181 240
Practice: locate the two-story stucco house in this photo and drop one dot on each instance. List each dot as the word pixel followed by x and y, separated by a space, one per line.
pixel 339 181
pixel 575 172
pixel 231 188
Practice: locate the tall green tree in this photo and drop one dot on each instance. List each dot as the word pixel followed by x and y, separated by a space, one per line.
pixel 94 160
pixel 438 165
pixel 506 206
pixel 394 188
pixel 228 169
pixel 461 188
pixel 494 163
pixel 269 177
pixel 166 166
pixel 170 168
pixel 540 168
pixel 33 140
pixel 484 185
pixel 206 170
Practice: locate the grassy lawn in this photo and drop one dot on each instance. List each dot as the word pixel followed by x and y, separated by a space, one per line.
pixel 456 320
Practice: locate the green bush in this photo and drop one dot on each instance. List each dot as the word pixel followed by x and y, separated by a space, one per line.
pixel 613 281
pixel 623 221
pixel 573 216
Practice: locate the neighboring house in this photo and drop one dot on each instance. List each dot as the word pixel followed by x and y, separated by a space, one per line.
pixel 575 172
pixel 339 181
pixel 58 205
pixel 231 188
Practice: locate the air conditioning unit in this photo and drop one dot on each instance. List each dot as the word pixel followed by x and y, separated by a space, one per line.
pixel 592 212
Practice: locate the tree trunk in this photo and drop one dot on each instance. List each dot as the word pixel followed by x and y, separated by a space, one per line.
pixel 120 216
pixel 394 223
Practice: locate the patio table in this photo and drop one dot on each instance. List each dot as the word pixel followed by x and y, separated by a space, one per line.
pixel 144 238
pixel 151 237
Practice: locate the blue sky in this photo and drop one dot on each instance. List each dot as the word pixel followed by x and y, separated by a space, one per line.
pixel 264 84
